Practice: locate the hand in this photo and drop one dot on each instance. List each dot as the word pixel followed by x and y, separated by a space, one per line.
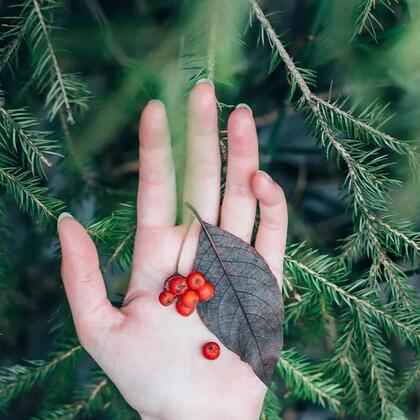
pixel 151 353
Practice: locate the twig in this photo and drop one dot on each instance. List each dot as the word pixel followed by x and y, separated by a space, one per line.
pixel 56 66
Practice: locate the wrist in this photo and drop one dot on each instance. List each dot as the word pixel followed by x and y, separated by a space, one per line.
pixel 226 409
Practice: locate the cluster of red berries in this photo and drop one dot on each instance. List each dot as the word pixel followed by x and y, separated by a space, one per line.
pixel 187 292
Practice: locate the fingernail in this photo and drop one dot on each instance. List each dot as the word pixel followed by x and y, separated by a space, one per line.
pixel 204 80
pixel 244 106
pixel 265 175
pixel 153 101
pixel 63 216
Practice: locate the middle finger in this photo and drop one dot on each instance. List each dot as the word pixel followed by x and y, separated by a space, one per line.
pixel 202 176
pixel 239 201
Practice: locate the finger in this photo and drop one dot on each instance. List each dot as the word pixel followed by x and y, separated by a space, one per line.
pixel 202 177
pixel 271 236
pixel 85 289
pixel 239 202
pixel 156 199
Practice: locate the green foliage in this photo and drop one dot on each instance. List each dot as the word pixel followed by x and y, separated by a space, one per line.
pixel 365 16
pixel 350 305
pixel 95 397
pixel 306 380
pixel 19 378
pixel 28 191
pixel 63 91
pixel 272 407
pixel 19 135
pixel 3 249
pixel 113 233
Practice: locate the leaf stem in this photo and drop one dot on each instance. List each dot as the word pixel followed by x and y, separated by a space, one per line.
pixel 181 248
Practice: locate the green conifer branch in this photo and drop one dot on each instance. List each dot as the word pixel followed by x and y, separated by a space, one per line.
pixel 320 273
pixel 32 25
pixel 367 185
pixel 344 368
pixel 408 381
pixel 121 249
pixel 18 133
pixel 65 90
pixel 52 57
pixel 88 402
pixel 376 357
pixel 364 128
pixel 4 234
pixel 272 407
pixel 307 381
pixel 15 35
pixel 27 192
pixel 117 232
pixel 366 19
pixel 18 379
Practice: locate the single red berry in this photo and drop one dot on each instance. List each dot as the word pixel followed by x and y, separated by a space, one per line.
pixel 184 310
pixel 195 280
pixel 166 298
pixel 177 285
pixel 206 292
pixel 211 350
pixel 190 298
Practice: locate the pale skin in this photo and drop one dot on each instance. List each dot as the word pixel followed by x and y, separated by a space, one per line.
pixel 150 352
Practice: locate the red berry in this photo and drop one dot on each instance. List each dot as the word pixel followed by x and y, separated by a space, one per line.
pixel 211 350
pixel 177 285
pixel 184 310
pixel 206 292
pixel 195 280
pixel 166 298
pixel 190 298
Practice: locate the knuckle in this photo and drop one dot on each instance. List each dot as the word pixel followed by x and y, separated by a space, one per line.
pixel 241 189
pixel 89 276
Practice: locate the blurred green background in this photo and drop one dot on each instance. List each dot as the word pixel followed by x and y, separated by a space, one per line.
pixel 129 52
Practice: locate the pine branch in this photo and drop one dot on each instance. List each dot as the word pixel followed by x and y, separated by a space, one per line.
pixel 366 19
pixel 367 185
pixel 27 192
pixel 18 379
pixel 307 381
pixel 50 53
pixel 344 368
pixel 15 35
pixel 363 128
pixel 407 382
pixel 91 400
pixel 117 233
pixel 325 111
pixel 272 407
pixel 4 234
pixel 377 360
pixel 18 133
pixel 63 91
pixel 323 275
pixel 402 238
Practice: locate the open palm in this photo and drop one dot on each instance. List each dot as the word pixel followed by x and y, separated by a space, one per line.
pixel 151 353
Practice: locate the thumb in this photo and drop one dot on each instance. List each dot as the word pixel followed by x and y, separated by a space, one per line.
pixel 92 312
